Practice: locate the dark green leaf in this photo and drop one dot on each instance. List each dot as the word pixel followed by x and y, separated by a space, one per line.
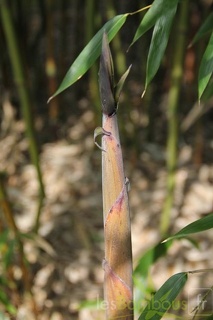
pixel 159 8
pixel 208 92
pixel 202 224
pixel 6 302
pixel 9 254
pixel 90 53
pixel 141 272
pixel 150 257
pixel 164 297
pixel 205 28
pixel 206 67
pixel 120 84
pixel 159 42
pixel 4 236
pixel 210 317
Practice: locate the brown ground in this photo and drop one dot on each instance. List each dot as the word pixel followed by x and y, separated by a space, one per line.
pixel 66 257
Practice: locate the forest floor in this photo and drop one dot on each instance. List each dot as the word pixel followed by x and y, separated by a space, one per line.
pixel 65 258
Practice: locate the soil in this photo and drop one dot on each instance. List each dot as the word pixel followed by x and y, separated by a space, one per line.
pixel 65 258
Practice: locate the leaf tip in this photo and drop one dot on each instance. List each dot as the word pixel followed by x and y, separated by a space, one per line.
pixel 129 47
pixel 143 93
pixel 50 98
pixel 54 95
pixel 190 45
pixel 165 240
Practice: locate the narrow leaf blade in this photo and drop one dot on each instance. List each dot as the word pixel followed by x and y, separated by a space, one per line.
pixel 159 42
pixel 150 257
pixel 205 28
pixel 208 92
pixel 158 8
pixel 164 297
pixel 200 225
pixel 90 53
pixel 206 67
pixel 120 84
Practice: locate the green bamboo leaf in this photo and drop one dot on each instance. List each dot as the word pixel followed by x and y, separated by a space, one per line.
pixel 210 317
pixel 89 304
pixel 200 225
pixel 9 254
pixel 120 84
pixel 90 53
pixel 150 257
pixel 164 297
pixel 159 8
pixel 206 67
pixel 4 236
pixel 159 42
pixel 208 92
pixel 4 299
pixel 140 275
pixel 205 28
pixel 3 316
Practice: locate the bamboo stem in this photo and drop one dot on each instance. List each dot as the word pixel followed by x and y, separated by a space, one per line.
pixel 90 25
pixel 20 80
pixel 118 254
pixel 51 69
pixel 117 264
pixel 173 101
pixel 120 59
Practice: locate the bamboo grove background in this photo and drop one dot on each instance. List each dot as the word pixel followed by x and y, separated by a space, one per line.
pixel 39 41
pixel 50 35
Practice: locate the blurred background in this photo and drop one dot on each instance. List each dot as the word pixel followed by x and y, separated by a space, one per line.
pixel 50 169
